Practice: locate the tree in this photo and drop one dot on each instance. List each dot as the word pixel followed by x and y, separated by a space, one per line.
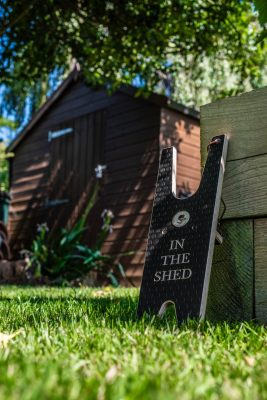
pixel 7 128
pixel 261 6
pixel 116 41
pixel 5 124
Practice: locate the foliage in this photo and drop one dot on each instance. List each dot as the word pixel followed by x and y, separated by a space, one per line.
pixel 62 257
pixel 7 123
pixel 87 344
pixel 261 6
pixel 4 167
pixel 118 41
pixel 4 156
pixel 21 97
pixel 207 79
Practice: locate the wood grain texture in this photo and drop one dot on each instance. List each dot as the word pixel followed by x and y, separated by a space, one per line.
pixel 260 235
pixel 129 147
pixel 182 133
pixel 231 285
pixel 245 187
pixel 243 117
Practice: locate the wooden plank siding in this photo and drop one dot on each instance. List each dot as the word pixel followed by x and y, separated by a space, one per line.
pixel 29 185
pixel 182 132
pixel 243 118
pixel 120 131
pixel 43 171
pixel 131 156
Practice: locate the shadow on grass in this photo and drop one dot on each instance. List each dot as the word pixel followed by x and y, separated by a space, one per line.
pixel 116 311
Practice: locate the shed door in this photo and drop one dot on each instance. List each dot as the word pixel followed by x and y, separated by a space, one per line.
pixel 76 148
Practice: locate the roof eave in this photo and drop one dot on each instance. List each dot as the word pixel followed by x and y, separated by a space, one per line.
pixel 154 98
pixel 162 101
pixel 44 108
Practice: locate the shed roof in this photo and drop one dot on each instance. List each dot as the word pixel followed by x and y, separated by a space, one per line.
pixel 160 100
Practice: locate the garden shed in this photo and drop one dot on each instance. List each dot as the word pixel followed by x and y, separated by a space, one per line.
pixel 77 129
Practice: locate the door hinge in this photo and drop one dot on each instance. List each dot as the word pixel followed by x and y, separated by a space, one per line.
pixel 55 134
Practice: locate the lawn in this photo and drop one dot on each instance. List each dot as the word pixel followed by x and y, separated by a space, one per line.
pixel 87 344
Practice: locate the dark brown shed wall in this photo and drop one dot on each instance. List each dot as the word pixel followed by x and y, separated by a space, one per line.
pixel 183 132
pixel 130 153
pixel 135 131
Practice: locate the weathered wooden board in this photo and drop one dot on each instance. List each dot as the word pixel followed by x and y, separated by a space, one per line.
pixel 243 117
pixel 231 284
pixel 260 235
pixel 242 293
pixel 245 187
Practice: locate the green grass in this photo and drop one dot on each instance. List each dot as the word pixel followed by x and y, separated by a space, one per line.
pixel 87 344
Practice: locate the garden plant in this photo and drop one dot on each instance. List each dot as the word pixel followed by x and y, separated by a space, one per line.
pixel 62 258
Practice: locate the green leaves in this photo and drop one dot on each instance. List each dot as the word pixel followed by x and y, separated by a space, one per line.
pixel 115 42
pixel 261 6
pixel 4 167
pixel 62 257
pixel 7 123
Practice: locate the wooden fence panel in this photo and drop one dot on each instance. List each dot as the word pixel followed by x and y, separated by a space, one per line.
pixel 231 284
pixel 260 234
pixel 244 119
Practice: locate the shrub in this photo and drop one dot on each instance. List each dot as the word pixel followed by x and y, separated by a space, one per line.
pixel 4 167
pixel 63 258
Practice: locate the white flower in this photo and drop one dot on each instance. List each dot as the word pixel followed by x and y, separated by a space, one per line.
pixel 25 254
pixel 107 213
pixel 104 213
pixel 42 226
pixel 99 171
